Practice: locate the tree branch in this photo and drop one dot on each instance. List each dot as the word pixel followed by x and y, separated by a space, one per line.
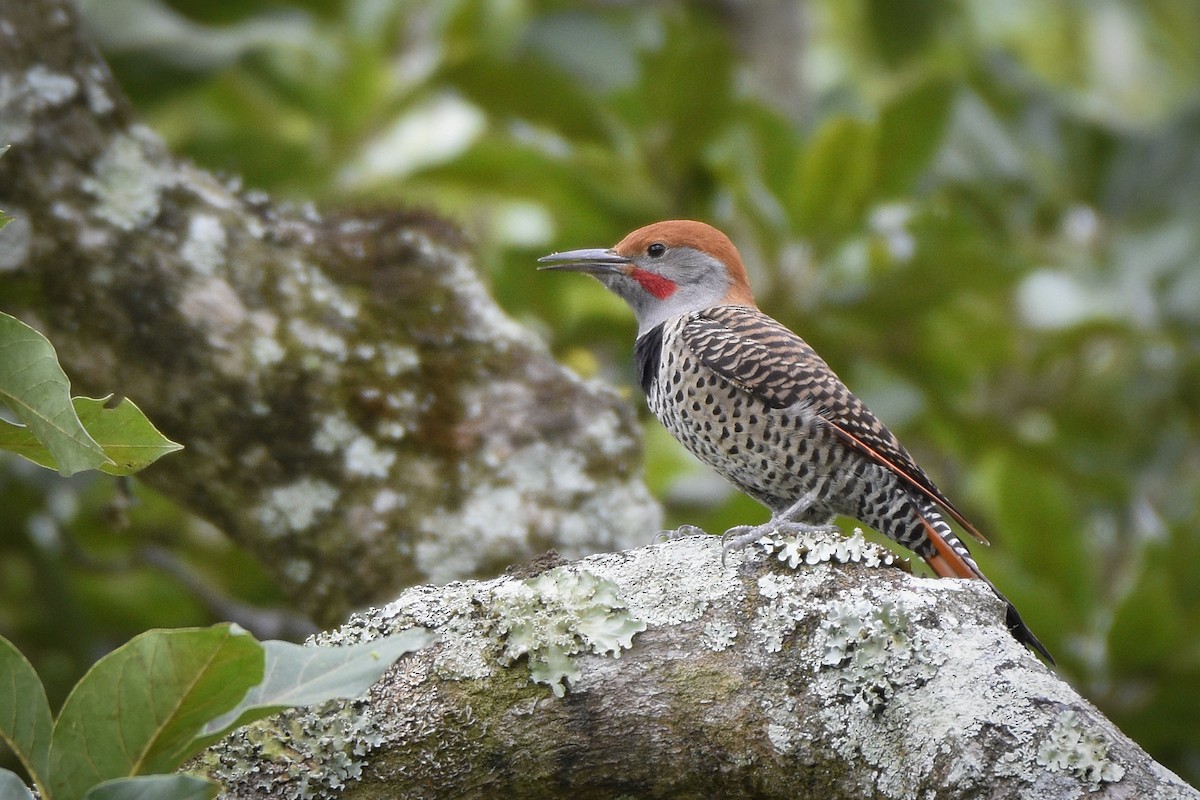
pixel 758 679
pixel 356 410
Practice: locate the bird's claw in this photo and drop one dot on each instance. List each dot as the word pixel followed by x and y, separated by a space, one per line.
pixel 742 536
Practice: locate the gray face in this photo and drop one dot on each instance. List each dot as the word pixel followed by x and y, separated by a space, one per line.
pixel 658 282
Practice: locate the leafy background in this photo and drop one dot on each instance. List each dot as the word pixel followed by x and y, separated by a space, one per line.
pixel 986 216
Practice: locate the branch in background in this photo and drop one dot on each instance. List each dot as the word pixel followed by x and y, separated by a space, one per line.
pixel 356 409
pixel 755 680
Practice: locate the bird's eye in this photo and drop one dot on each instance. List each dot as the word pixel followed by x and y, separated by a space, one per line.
pixel 656 250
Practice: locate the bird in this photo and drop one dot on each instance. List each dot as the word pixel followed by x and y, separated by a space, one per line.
pixel 756 403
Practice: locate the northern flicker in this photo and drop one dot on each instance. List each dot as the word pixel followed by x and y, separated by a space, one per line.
pixel 754 401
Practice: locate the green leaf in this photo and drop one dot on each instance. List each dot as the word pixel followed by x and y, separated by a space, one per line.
pixel 910 130
pixel 25 721
pixel 686 90
pixel 833 179
pixel 155 787
pixel 296 675
pixel 904 29
pixel 530 90
pixel 1148 622
pixel 33 384
pixel 12 787
pixel 138 709
pixel 129 439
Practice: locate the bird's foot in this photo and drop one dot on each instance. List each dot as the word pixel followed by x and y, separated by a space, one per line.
pixel 742 536
pixel 679 533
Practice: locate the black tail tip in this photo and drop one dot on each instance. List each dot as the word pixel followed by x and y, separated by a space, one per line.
pixel 1022 634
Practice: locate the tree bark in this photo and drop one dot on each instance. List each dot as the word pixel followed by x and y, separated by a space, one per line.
pixel 767 677
pixel 355 408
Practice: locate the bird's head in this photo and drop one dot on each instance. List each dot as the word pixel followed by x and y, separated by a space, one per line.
pixel 664 270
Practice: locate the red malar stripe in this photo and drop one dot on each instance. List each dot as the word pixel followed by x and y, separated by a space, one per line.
pixel 657 285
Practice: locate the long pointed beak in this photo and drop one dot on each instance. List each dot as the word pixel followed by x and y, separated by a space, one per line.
pixel 593 262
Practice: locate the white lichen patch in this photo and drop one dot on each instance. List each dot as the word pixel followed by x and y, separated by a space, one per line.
pixel 298 570
pixel 204 248
pixel 98 98
pixel 398 359
pixel 544 468
pixel 554 617
pixel 526 501
pixel 718 635
pixel 307 282
pixel 50 88
pixel 266 350
pixel 815 548
pixel 386 501
pixel 361 456
pixel 211 304
pixel 607 432
pixel 364 458
pixel 1069 746
pixel 490 522
pixel 236 334
pixel 297 506
pixel 460 277
pixel 126 183
pixel 674 582
pixel 320 341
pixel 391 429
pixel 335 433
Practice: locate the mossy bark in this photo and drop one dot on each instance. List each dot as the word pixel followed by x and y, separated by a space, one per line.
pixel 355 408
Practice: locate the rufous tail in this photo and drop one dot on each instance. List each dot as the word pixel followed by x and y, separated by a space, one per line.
pixel 951 559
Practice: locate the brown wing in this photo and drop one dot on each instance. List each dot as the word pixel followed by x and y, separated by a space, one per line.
pixel 770 362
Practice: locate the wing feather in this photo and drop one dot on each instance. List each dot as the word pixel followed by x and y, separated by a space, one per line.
pixel 758 354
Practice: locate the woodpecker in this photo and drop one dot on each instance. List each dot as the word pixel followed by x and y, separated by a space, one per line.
pixel 754 401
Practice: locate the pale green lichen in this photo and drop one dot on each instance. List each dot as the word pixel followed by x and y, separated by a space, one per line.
pixel 871 646
pixel 784 726
pixel 719 635
pixel 813 548
pixel 554 617
pixel 313 752
pixel 126 182
pixel 776 619
pixel 1070 747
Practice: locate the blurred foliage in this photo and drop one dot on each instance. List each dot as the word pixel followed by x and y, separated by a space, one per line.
pixel 984 215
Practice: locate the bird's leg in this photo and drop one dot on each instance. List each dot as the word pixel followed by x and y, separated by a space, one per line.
pixel 782 522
